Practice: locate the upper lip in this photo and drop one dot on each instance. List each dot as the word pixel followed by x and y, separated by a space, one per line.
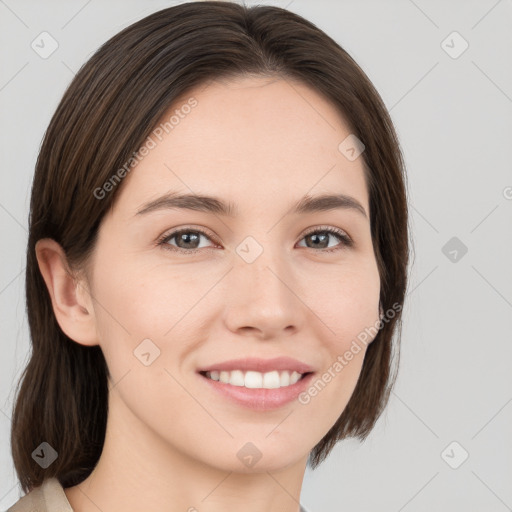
pixel 260 365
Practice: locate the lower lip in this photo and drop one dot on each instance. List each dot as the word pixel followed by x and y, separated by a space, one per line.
pixel 260 399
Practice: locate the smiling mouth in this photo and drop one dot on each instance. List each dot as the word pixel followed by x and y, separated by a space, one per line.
pixel 256 380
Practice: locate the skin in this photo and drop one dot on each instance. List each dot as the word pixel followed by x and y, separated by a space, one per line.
pixel 171 442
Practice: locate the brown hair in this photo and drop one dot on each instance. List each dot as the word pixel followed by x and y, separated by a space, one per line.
pixel 107 112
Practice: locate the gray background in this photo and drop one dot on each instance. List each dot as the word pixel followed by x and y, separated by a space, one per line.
pixel 453 116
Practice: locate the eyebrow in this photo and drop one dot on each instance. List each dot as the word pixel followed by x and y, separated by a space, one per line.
pixel 211 204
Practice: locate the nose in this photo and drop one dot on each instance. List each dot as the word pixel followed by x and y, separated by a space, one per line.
pixel 263 297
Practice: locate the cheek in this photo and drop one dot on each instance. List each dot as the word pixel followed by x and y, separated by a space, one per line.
pixel 347 302
pixel 143 300
pixel 143 326
pixel 149 309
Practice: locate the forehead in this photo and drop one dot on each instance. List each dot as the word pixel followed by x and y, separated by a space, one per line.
pixel 257 141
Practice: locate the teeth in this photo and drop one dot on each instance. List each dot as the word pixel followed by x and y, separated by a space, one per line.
pixel 250 379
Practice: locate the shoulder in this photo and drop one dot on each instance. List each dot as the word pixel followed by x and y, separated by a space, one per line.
pixel 49 497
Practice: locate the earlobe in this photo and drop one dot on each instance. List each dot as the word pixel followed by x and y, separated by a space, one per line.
pixel 71 302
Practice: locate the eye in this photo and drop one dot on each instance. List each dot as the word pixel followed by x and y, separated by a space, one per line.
pixel 187 239
pixel 319 237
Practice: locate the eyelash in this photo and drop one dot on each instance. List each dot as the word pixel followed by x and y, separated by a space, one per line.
pixel 346 241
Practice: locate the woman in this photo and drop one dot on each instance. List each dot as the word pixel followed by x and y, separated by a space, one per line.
pixel 216 267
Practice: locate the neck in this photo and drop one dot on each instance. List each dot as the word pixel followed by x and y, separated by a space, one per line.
pixel 139 470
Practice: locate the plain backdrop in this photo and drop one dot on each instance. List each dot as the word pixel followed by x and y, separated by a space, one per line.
pixel 444 70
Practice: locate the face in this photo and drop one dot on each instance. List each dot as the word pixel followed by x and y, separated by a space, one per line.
pixel 264 281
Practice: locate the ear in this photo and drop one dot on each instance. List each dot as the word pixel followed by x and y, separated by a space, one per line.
pixel 70 297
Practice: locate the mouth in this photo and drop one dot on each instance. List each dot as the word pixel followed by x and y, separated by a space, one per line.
pixel 260 384
pixel 261 392
pixel 256 380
